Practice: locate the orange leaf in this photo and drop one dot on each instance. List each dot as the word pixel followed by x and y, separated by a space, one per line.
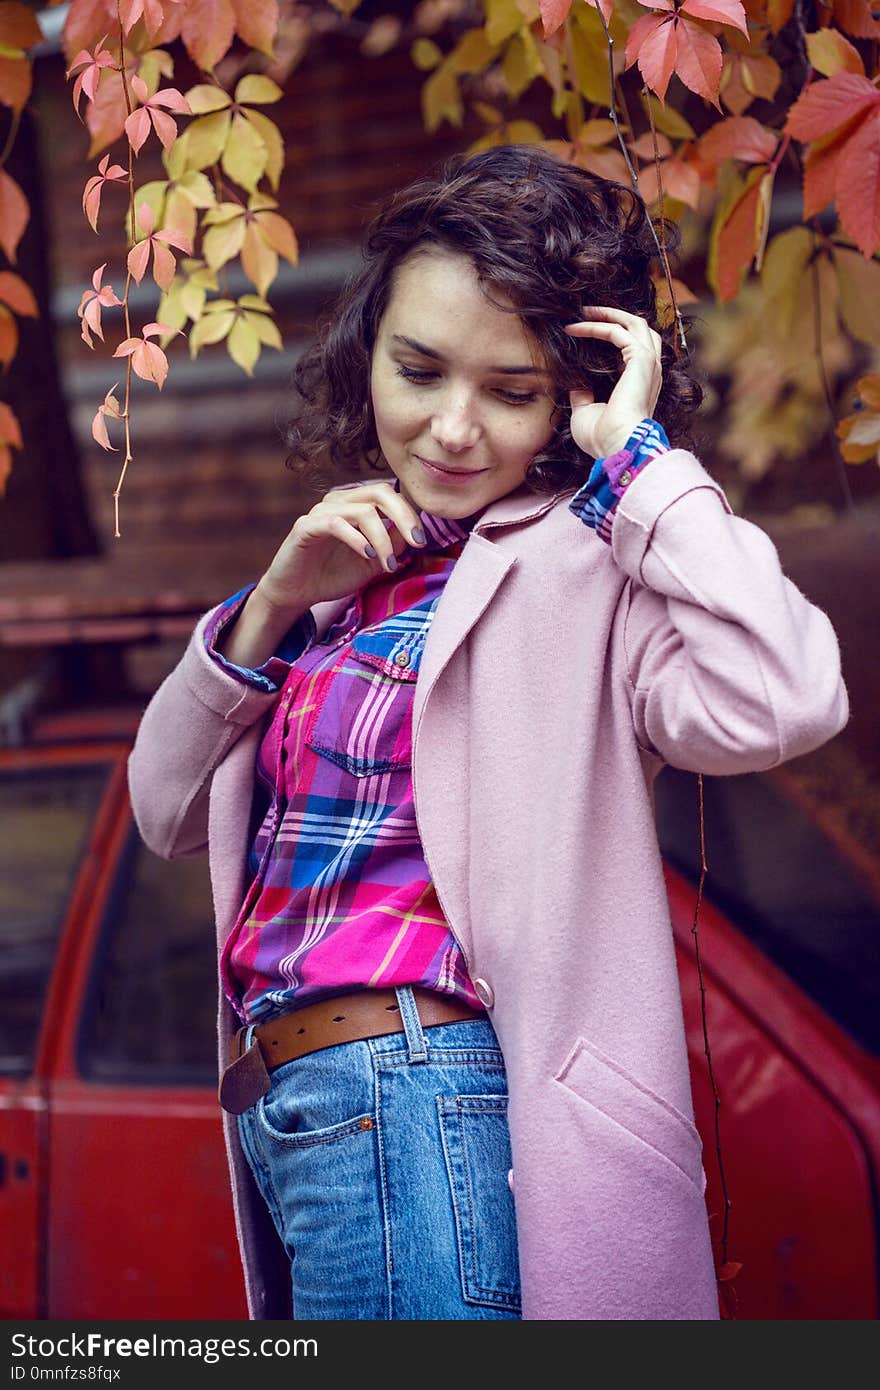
pixel 207 30
pixel 820 172
pixel 19 27
pixel 826 106
pixel 738 237
pixel 857 186
pixel 779 12
pixel 857 17
pixel 830 52
pixel 553 15
pixel 16 79
pixel 716 12
pixel 14 214
pixel 256 23
pixel 280 235
pixel 8 336
pixel 18 295
pixel 10 429
pixel 738 137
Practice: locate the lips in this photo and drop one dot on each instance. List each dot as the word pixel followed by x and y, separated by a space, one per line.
pixel 455 472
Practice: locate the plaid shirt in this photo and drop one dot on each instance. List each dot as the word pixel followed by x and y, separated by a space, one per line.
pixel 341 896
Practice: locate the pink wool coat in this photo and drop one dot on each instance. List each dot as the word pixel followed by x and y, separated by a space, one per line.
pixel 558 676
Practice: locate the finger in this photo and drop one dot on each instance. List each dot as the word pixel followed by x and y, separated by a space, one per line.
pixel 386 541
pixel 400 512
pixel 623 316
pixel 581 397
pixel 342 530
pixel 608 332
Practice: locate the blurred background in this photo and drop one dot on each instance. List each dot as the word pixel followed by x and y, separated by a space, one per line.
pixel 109 1137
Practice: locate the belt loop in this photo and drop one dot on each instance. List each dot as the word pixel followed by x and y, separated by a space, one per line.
pixel 416 1041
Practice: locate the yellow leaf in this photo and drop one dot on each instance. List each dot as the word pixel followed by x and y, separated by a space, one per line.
pixel 521 64
pixel 222 242
pixel 259 261
pixel 272 139
pixel 193 299
pixel 441 98
pixel 207 138
pixel 198 188
pixel 503 18
pixel 258 90
pixel 244 158
pixel 345 7
pixel 211 328
pixel 205 97
pixel 524 133
pixel 426 54
pixel 222 212
pixel 859 284
pixel 254 301
pixel 590 50
pixel 243 345
pixel 265 328
pixel 180 215
pixel 171 310
pixel 830 52
pixel 785 264
pixel 472 52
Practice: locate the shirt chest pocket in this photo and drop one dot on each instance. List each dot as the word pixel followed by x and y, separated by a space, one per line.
pixel 363 720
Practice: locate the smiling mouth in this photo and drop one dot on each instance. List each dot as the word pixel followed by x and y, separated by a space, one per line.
pixel 444 468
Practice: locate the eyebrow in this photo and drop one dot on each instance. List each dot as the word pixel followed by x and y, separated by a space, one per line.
pixel 438 357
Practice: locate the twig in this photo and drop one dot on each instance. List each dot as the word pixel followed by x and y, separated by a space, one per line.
pixel 126 412
pixel 10 137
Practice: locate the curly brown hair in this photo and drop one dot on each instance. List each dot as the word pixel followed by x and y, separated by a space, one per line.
pixel 548 236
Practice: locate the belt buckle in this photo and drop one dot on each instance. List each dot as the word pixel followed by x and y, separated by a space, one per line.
pixel 244 1081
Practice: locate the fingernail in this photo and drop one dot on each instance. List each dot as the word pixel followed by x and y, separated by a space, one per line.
pixel 370 552
pixel 392 562
pixel 418 535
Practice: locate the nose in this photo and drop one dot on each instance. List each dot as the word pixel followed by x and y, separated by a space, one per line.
pixel 454 425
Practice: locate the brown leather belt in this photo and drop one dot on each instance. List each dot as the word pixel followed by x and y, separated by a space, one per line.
pixel 365 1013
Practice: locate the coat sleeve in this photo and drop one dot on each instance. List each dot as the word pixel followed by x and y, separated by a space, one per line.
pixel 197 714
pixel 731 668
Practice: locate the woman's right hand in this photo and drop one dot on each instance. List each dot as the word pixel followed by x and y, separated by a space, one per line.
pixel 325 554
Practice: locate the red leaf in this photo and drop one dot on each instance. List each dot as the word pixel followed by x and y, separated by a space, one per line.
pixel 738 238
pixel 653 41
pixel 138 257
pixel 137 127
pixel 699 61
pixel 87 21
pixel 554 14
pixel 820 173
pixel 18 26
pixel 858 18
pixel 14 214
pixel 858 185
pixel 10 430
pixel 207 30
pixel 829 104
pixel 164 265
pixel 8 336
pixel 165 127
pixel 717 12
pixel 738 137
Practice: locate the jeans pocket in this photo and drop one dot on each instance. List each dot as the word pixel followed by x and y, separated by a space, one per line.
pixel 308 1104
pixel 476 1148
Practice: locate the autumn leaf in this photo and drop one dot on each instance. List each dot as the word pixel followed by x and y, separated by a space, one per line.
pixel 187 294
pixel 782 274
pixel 151 11
pixel 150 112
pixel 18 295
pixel 14 215
pixel 147 359
pixel 91 304
pixel 19 27
pixel 16 81
pixel 672 42
pixel 91 199
pixel 90 66
pixel 245 325
pixel 158 242
pixel 207 31
pixel 738 137
pixel 108 408
pixel 829 52
pixel 256 23
pixel 857 17
pixel 10 438
pixel 840 117
pixel 554 14
pixel 739 232
pixel 746 77
pixel 441 98
pixel 859 285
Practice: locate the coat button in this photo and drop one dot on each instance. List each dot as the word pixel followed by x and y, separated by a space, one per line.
pixel 625 478
pixel 484 992
pixel 510 1178
pixel 402 659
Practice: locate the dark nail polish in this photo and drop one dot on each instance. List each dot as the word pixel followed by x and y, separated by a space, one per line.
pixel 392 562
pixel 370 552
pixel 418 535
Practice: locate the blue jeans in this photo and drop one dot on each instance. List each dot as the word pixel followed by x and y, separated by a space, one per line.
pixel 384 1164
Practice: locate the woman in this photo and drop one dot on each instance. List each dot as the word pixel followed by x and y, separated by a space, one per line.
pixel 420 752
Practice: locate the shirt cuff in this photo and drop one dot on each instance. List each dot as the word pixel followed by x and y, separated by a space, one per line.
pixel 274 672
pixel 596 502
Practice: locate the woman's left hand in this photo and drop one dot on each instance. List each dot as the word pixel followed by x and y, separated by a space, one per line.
pixel 600 428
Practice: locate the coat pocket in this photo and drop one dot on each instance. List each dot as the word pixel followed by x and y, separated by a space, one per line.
pixel 628 1102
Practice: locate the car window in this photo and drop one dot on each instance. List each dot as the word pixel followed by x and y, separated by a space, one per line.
pixel 784 884
pixel 46 815
pixel 151 1006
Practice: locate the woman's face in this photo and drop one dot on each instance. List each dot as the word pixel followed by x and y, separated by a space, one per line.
pixel 461 399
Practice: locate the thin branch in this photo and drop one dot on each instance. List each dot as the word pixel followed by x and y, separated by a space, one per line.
pixel 10 137
pixel 679 323
pixel 126 412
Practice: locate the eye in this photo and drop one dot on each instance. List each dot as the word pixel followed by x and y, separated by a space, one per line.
pixel 412 374
pixel 518 397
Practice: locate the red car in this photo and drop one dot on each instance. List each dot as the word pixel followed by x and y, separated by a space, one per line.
pixel 114 1200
